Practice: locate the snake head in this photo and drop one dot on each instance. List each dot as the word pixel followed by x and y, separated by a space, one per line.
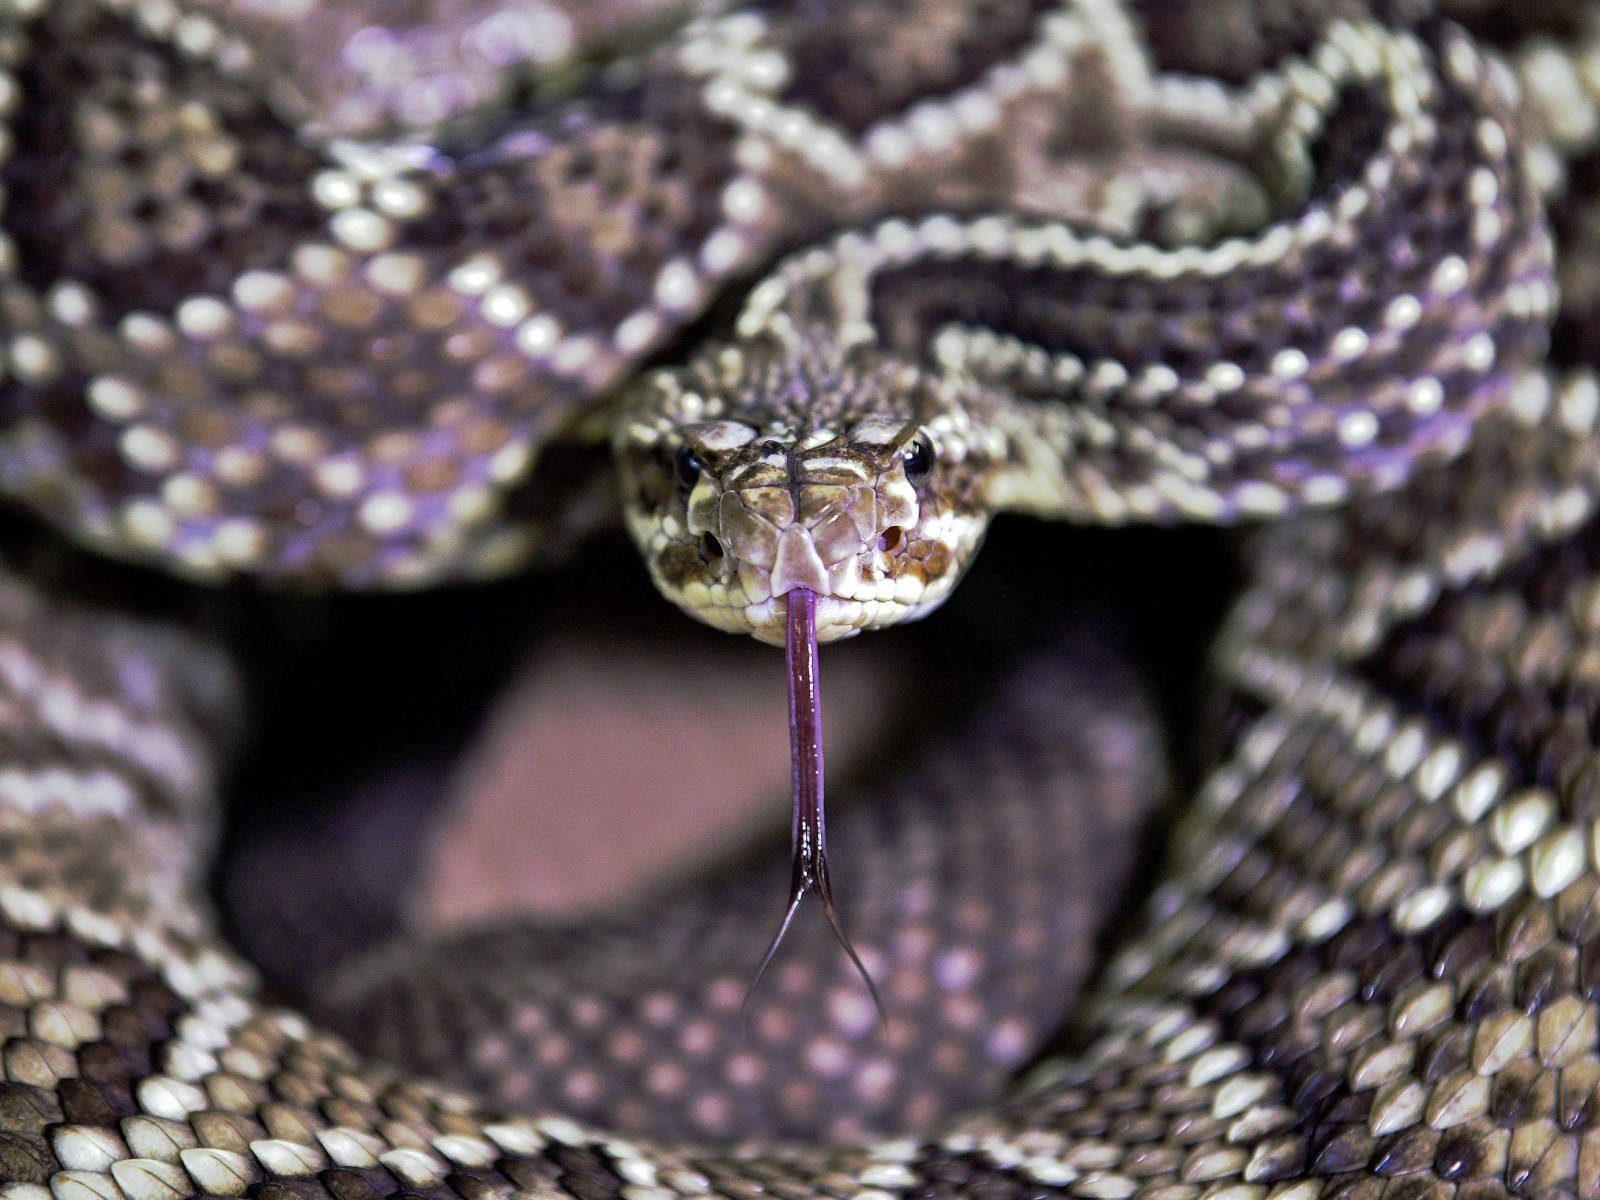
pixel 771 465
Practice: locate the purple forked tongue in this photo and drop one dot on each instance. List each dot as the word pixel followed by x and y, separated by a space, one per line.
pixel 810 842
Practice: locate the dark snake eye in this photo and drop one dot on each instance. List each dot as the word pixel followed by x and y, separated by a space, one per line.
pixel 918 458
pixel 686 467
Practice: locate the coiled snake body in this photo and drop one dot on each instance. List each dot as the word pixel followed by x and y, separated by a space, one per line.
pixel 1175 260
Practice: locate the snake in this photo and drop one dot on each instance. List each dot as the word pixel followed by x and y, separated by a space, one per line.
pixel 805 294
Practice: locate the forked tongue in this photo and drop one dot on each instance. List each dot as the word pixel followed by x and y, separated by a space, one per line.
pixel 810 842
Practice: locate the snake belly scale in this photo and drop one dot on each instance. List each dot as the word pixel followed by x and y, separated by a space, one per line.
pixel 1220 262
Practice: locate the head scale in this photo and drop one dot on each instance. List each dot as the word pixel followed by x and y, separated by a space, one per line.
pixel 790 461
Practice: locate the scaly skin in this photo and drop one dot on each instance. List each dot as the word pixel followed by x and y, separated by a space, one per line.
pixel 1367 970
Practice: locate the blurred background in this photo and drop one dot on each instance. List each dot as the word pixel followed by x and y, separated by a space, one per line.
pixel 564 741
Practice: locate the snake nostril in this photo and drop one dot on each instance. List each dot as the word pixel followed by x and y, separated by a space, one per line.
pixel 710 547
pixel 889 540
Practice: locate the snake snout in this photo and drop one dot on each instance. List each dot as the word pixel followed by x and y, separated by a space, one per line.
pixel 818 536
pixel 798 563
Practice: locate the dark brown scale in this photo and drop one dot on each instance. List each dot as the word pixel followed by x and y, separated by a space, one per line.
pixel 87 446
pixel 1343 1150
pixel 1406 1154
pixel 1458 1155
pixel 347 1184
pixel 1488 991
pixel 1524 928
pixel 1420 831
pixel 1233 40
pixel 1510 26
pixel 294 1189
pixel 87 1102
pixel 1352 135
pixel 26 1109
pixel 1575 221
pixel 584 1172
pixel 25 1159
pixel 1444 1052
pixel 1550 974
pixel 1520 1093
pixel 853 62
pixel 1421 1188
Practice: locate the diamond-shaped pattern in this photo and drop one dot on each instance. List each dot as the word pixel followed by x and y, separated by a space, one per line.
pixel 1371 968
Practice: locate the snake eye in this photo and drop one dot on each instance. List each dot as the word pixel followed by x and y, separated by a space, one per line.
pixel 686 466
pixel 918 458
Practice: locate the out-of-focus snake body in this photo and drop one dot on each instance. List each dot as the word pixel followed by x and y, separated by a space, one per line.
pixel 1291 264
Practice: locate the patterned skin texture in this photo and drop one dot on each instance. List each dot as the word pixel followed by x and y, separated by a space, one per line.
pixel 978 871
pixel 1315 274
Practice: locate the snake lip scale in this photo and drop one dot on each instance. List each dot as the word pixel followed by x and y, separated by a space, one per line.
pixel 291 296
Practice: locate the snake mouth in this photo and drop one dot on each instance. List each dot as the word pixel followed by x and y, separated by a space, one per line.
pixel 844 543
pixel 847 599
pixel 752 606
pixel 739 583
pixel 836 618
